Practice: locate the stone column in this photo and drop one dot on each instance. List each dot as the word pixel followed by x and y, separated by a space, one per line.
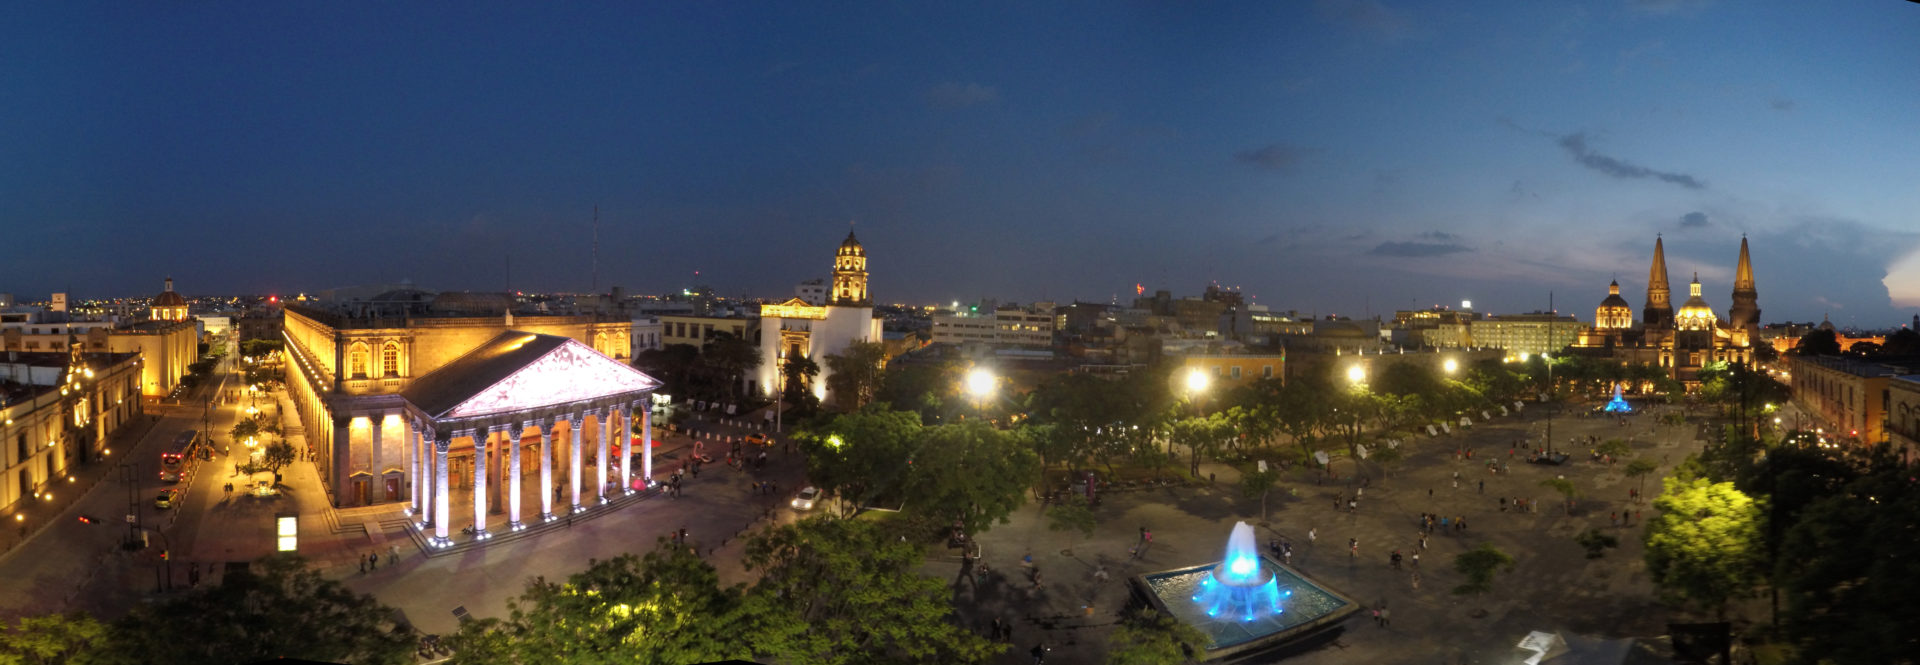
pixel 646 441
pixel 413 468
pixel 342 435
pixel 625 422
pixel 546 468
pixel 480 439
pixel 377 481
pixel 601 465
pixel 573 436
pixel 442 513
pixel 514 430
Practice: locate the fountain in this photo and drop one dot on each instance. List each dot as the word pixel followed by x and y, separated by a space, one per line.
pixel 1245 602
pixel 1619 404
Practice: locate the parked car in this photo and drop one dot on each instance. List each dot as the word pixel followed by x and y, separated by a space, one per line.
pixel 804 500
pixel 759 439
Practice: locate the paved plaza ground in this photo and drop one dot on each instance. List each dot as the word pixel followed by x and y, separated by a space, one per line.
pixel 1553 586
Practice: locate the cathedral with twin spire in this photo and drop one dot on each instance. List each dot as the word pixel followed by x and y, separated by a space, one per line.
pixel 1680 342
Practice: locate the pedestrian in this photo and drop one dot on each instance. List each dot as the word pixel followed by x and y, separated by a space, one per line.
pixel 995 631
pixel 1313 535
pixel 1503 504
pixel 1444 523
pixel 1423 543
pixel 1376 616
pixel 1416 560
pixel 1416 580
pixel 393 554
pixel 363 563
pixel 1613 519
pixel 1360 491
pixel 1483 487
pixel 1386 616
pixel 1395 559
pixel 1461 521
pixel 1352 505
pixel 373 561
pixel 1353 548
pixel 1039 653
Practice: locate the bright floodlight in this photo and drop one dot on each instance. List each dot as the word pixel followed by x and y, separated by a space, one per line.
pixel 980 383
pixel 1197 381
pixel 1356 373
pixel 1452 366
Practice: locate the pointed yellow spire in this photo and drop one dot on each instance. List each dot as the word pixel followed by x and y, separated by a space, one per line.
pixel 1743 275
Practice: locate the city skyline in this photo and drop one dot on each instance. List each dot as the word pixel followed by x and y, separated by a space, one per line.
pixel 1336 157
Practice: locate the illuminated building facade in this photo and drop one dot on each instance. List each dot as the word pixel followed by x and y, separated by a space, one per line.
pixel 795 328
pixel 1850 395
pixel 1680 342
pixel 349 369
pixel 1903 413
pixel 57 410
pixel 169 306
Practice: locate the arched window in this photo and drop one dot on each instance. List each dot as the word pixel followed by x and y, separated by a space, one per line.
pixel 357 362
pixel 390 360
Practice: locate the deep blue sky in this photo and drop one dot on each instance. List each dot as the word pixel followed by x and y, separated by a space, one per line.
pixel 1324 156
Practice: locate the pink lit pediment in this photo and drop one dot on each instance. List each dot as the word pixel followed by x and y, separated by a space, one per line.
pixel 573 372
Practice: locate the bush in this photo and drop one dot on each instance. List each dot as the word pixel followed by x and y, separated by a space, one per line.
pixel 1596 542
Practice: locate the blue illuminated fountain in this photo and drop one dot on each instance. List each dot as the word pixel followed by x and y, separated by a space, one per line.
pixel 1239 586
pixel 1619 404
pixel 1246 603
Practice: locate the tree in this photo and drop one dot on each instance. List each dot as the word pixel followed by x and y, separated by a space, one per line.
pixel 1617 449
pixel 799 371
pixel 277 455
pixel 1703 544
pixel 1070 514
pixel 1819 342
pixel 928 389
pixel 1595 542
pixel 665 607
pixel 247 428
pixel 1147 637
pixel 855 589
pixel 1639 468
pixel 969 473
pixel 1564 487
pixel 1478 565
pixel 730 357
pixel 277 607
pixel 49 639
pixel 1257 483
pixel 854 375
pixel 858 455
pixel 1847 570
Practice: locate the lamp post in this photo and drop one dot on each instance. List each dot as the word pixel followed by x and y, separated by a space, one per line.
pixel 980 385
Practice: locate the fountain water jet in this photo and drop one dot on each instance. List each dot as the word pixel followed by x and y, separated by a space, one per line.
pixel 1239 585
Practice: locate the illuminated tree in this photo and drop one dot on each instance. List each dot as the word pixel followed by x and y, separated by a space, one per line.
pixel 860 454
pixel 1640 468
pixel 49 639
pixel 855 588
pixel 1565 488
pixel 970 473
pixel 855 374
pixel 665 607
pixel 1703 545
pixel 1147 637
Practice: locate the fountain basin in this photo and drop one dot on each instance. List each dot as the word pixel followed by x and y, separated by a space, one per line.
pixel 1307 608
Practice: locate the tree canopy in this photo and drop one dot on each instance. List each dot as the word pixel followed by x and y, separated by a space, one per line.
pixel 1703 545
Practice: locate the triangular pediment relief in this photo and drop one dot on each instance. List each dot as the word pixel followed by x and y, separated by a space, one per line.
pixel 572 372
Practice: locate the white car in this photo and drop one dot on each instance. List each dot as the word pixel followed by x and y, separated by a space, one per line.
pixel 804 500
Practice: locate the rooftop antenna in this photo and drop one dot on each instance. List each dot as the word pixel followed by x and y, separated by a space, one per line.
pixel 596 249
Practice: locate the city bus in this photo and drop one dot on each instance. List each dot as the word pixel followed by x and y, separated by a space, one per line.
pixel 177 455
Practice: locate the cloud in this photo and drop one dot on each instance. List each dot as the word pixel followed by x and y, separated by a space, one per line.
pixel 1576 145
pixel 1276 157
pixel 1417 249
pixel 1368 16
pixel 1781 104
pixel 1440 236
pixel 1693 220
pixel 951 95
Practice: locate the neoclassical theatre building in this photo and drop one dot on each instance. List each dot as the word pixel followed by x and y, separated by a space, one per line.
pixel 1680 342
pixel 456 399
pixel 795 328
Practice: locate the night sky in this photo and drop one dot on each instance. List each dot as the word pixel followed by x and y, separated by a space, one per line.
pixel 1330 157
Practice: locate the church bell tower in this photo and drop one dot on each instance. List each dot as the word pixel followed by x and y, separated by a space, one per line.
pixel 850 274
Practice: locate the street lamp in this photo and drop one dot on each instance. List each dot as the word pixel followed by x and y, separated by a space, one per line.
pixel 980 382
pixel 1357 374
pixel 1451 366
pixel 1197 382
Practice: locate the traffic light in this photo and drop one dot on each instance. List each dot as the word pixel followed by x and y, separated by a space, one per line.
pixel 163 555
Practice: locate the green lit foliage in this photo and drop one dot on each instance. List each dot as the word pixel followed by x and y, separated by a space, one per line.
pixel 49 639
pixel 1565 488
pixel 1640 468
pixel 1255 483
pixel 1478 565
pixel 855 374
pixel 1703 544
pixel 1147 637
pixel 855 589
pixel 665 607
pixel 278 607
pixel 971 473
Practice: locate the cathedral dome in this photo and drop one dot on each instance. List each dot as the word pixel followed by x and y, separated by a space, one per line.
pixel 851 246
pixel 1695 313
pixel 168 298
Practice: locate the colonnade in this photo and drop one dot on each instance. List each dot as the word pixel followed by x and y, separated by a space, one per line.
pixel 428 465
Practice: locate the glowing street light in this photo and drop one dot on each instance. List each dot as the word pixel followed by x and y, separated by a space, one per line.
pixel 1197 382
pixel 1451 366
pixel 1357 374
pixel 980 383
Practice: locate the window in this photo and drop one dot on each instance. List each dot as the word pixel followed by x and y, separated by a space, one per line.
pixel 1266 371
pixel 357 362
pixel 1236 371
pixel 25 451
pixel 390 360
